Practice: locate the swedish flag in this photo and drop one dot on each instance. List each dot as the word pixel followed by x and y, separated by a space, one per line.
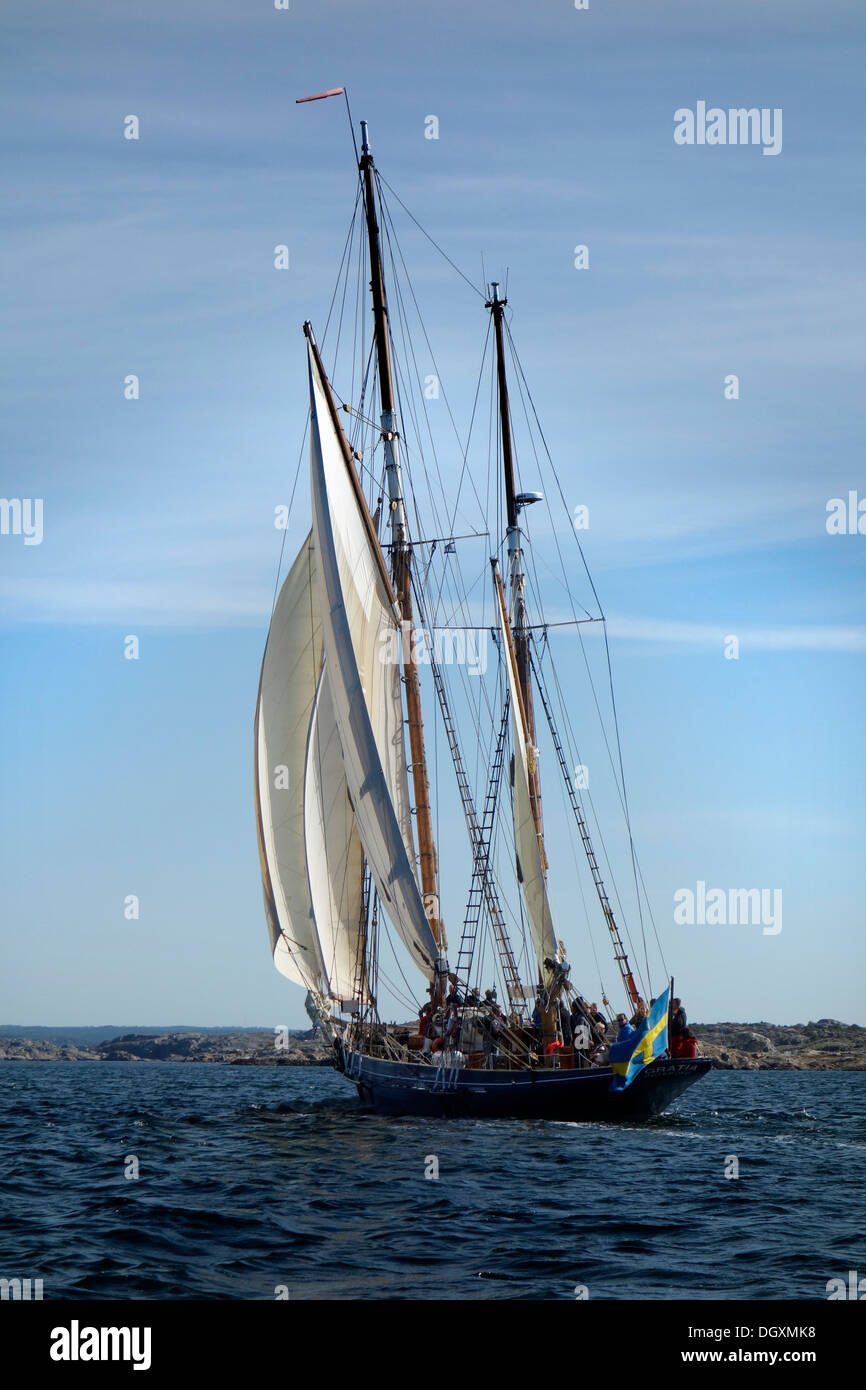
pixel 649 1040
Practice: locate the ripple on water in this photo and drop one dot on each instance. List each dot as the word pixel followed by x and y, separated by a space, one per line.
pixel 251 1178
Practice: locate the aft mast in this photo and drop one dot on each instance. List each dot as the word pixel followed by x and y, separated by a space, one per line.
pixel 524 663
pixel 519 620
pixel 401 569
pixel 516 576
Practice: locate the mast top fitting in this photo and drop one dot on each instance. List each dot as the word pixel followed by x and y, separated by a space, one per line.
pixel 494 295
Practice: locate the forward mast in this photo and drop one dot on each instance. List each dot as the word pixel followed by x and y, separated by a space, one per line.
pixel 401 570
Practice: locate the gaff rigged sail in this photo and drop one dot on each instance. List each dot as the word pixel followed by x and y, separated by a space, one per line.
pixel 528 842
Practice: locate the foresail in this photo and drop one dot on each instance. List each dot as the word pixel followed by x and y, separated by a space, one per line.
pixel 287 688
pixel 359 630
pixel 528 844
pixel 335 859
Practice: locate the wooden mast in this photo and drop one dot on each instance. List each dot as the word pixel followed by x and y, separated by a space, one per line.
pixel 517 578
pixel 517 582
pixel 401 568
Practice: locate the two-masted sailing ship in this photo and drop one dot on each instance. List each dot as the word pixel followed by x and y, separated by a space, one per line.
pixel 367 723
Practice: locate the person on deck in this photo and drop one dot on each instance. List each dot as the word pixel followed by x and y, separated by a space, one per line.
pixel 537 1025
pixel 454 1005
pixel 578 1015
pixel 625 1029
pixel 597 1023
pixel 490 1027
pixel 565 1027
pixel 678 1029
pixel 491 1003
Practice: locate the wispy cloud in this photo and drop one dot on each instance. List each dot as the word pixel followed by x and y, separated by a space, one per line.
pixel 192 602
pixel 93 602
pixel 778 639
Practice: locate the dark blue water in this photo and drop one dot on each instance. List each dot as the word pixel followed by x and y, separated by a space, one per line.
pixel 251 1178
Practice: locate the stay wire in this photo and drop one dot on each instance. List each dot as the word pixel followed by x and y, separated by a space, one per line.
pixel 431 240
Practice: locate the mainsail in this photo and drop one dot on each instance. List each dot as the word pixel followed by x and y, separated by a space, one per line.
pixel 335 859
pixel 311 857
pixel 359 631
pixel 287 689
pixel 528 843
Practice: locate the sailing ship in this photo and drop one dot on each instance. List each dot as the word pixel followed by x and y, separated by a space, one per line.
pixel 348 852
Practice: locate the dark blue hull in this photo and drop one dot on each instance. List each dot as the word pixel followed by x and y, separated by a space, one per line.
pixel 414 1088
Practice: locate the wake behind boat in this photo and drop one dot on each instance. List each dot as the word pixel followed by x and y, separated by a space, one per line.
pixel 350 868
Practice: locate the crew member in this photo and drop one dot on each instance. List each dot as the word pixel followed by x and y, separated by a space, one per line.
pixel 625 1029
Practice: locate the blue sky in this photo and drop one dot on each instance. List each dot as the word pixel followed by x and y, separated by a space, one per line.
pixel 155 257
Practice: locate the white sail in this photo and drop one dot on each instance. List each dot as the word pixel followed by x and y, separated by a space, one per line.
pixel 359 630
pixel 528 844
pixel 335 859
pixel 290 673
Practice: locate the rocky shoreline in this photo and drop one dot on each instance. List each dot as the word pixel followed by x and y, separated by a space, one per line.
pixel 234 1049
pixel 827 1045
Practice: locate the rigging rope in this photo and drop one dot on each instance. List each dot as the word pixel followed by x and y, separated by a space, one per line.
pixel 430 239
pixel 619 780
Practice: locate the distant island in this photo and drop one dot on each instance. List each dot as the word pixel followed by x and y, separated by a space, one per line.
pixel 827 1045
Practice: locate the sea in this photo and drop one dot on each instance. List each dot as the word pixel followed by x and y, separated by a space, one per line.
pixel 204 1181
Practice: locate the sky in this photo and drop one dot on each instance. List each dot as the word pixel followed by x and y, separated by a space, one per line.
pixel 708 515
